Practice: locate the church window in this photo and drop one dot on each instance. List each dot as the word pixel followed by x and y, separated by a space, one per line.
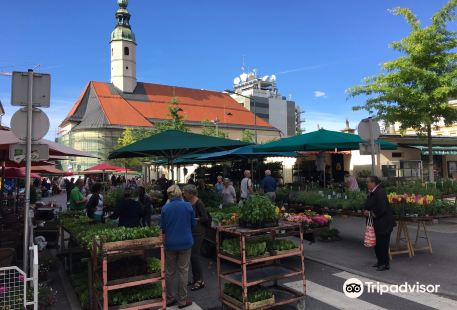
pixel 126 51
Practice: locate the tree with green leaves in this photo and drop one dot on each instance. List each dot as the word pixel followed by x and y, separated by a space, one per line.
pixel 176 121
pixel 128 136
pixel 247 136
pixel 212 129
pixel 415 88
pixel 131 135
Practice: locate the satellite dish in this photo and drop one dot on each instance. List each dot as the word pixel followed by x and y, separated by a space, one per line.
pixel 251 75
pixel 273 78
pixel 236 81
pixel 265 78
pixel 244 77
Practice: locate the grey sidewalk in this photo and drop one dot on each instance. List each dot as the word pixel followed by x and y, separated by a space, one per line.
pixel 437 268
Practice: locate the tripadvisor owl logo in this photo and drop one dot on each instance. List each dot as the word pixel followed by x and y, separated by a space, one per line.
pixel 353 288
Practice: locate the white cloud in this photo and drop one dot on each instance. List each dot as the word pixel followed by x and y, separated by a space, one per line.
pixel 319 94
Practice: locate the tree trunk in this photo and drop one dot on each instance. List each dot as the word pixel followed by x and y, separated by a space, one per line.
pixel 431 174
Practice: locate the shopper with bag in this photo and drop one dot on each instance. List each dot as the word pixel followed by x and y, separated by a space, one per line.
pixel 380 214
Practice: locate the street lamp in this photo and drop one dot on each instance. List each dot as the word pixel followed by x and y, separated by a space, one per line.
pixel 216 122
pixel 255 109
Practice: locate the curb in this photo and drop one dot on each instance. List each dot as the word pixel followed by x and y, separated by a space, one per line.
pixel 442 293
pixel 68 290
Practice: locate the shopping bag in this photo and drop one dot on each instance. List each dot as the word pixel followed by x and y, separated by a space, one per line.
pixel 370 237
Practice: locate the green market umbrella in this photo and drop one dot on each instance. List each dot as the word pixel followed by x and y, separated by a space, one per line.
pixel 172 144
pixel 320 140
pixel 244 152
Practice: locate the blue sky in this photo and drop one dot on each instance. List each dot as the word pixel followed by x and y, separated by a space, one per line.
pixel 316 48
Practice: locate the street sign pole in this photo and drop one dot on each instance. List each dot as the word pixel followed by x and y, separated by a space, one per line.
pixel 28 167
pixel 372 147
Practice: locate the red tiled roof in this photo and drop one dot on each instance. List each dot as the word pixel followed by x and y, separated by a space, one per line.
pixel 117 110
pixel 197 105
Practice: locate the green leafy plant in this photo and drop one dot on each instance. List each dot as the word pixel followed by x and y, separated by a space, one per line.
pixel 253 247
pixel 113 197
pixel 258 209
pixel 281 245
pixel 135 294
pixel 255 293
pixel 154 265
pixel 83 229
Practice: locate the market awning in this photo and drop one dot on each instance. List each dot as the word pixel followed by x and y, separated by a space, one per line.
pixel 7 138
pixel 320 140
pixel 437 150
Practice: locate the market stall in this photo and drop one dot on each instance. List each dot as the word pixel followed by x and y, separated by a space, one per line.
pixel 257 243
pixel 120 261
pixel 417 210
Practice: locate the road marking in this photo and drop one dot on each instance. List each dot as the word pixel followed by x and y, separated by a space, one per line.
pixel 427 299
pixel 194 306
pixel 332 297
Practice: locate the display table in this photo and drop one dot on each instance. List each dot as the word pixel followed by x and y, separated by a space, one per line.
pixel 404 237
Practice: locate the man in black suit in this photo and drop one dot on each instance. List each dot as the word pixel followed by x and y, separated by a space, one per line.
pixel 383 220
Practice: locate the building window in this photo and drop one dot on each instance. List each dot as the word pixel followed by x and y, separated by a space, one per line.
pixel 396 154
pixel 126 51
pixel 452 169
pixel 112 52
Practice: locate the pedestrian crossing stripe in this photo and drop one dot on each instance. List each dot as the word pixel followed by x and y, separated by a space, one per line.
pixel 427 299
pixel 338 300
pixel 194 306
pixel 332 297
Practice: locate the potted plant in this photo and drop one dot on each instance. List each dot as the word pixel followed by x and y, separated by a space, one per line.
pixel 258 211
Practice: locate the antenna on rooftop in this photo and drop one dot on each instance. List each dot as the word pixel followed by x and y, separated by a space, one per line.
pixel 243 66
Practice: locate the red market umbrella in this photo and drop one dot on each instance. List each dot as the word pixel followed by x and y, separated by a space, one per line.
pixel 47 170
pixel 104 167
pixel 18 173
pixel 124 170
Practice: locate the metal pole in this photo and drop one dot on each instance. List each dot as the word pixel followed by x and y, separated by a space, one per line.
pixel 370 120
pixel 27 170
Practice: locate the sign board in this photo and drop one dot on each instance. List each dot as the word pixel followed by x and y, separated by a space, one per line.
pixel 39 152
pixel 41 89
pixel 368 129
pixel 365 148
pixel 40 124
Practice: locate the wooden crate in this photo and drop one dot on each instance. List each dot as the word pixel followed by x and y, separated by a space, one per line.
pixel 251 306
pixel 127 245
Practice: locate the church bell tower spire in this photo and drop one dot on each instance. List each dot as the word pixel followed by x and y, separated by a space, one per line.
pixel 123 51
